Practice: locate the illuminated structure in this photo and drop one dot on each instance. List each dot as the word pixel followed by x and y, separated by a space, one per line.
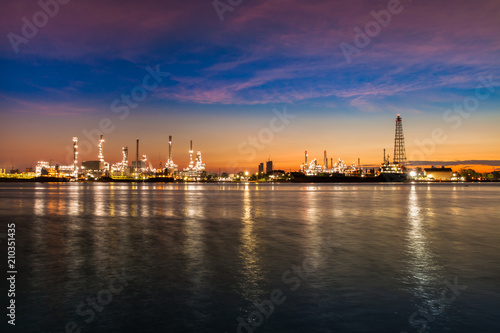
pixel 397 167
pixel 144 167
pixel 97 168
pixel 314 168
pixel 125 156
pixel 47 169
pixel 93 168
pixel 101 142
pixel 194 171
pixel 190 155
pixel 41 165
pixel 75 157
pixel 140 166
pixel 389 168
pixel 399 143
pixel 311 169
pixel 395 171
pixel 170 166
pixel 123 165
pixel 439 174
pixel 101 156
pixel 136 165
pixel 200 166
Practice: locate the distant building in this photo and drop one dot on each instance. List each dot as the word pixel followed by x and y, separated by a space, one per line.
pixel 92 166
pixel 269 167
pixel 261 168
pixel 441 173
pixel 47 169
pixel 138 164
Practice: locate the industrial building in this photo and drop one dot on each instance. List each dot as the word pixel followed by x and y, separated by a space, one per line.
pixel 440 174
pixel 313 168
pixel 99 168
pixel 122 168
pixel 96 168
pixel 196 168
pixel 139 165
pixel 93 167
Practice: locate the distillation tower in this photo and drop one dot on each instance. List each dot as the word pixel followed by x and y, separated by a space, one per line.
pixel 196 168
pixel 75 157
pixel 170 166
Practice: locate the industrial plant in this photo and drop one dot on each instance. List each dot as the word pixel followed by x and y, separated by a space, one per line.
pixel 140 169
pixel 340 171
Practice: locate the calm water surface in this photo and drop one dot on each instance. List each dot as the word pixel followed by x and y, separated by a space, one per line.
pixel 196 257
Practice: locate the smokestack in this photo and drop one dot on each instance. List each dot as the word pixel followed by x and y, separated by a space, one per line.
pixel 326 161
pixel 125 156
pixel 75 155
pixel 191 153
pixel 137 157
pixel 306 157
pixel 170 148
pixel 331 162
pixel 384 155
pixel 101 141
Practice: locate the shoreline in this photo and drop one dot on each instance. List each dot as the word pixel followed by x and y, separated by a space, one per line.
pixel 180 181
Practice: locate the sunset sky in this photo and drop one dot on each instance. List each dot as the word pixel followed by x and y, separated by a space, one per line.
pixel 221 83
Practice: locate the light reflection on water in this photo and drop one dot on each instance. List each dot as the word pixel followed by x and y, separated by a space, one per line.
pixel 313 219
pixel 203 253
pixel 421 263
pixel 252 274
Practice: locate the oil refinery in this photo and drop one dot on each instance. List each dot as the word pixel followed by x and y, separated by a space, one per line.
pixel 141 169
pixel 138 169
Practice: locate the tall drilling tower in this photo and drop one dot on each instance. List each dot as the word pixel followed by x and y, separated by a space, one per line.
pixel 399 143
